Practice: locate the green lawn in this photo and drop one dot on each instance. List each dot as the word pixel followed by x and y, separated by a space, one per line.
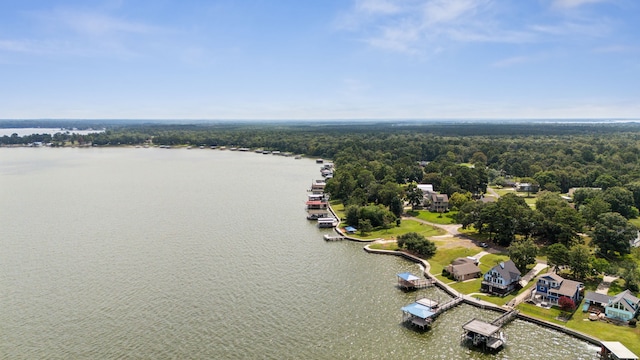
pixel 384 246
pixel 490 260
pixel 436 218
pixel 405 227
pixel 635 222
pixel 549 315
pixel 467 287
pixel 605 331
pixel 444 257
pixel 580 321
pixel 338 208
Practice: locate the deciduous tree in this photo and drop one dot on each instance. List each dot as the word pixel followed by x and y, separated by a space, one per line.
pixel 612 233
pixel 523 253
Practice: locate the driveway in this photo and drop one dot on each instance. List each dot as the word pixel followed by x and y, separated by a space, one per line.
pixel 603 287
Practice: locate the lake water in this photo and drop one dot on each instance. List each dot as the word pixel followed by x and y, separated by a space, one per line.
pixel 154 253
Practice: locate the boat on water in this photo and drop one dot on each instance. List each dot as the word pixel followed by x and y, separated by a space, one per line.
pixel 327 222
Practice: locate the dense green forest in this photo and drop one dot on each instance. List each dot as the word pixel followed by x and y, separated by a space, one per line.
pixel 378 165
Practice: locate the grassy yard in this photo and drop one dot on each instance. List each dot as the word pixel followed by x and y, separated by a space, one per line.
pixel 405 227
pixel 467 287
pixel 436 218
pixel 443 257
pixel 549 315
pixel 580 321
pixel 605 331
pixel 491 260
pixel 384 246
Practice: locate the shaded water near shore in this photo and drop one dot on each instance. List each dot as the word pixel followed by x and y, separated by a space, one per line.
pixel 153 253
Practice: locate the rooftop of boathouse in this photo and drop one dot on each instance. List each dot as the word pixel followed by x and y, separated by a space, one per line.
pixel 419 310
pixel 407 276
pixel 480 327
pixel 615 350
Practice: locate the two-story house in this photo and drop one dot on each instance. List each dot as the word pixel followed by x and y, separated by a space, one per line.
pixel 501 279
pixel 439 203
pixel 551 287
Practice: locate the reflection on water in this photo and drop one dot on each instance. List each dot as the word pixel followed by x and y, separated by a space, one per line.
pixel 153 253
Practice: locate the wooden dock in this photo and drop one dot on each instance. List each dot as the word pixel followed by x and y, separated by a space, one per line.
pixel 505 318
pixel 328 237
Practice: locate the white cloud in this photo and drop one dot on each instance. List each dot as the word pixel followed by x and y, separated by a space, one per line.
pixel 420 27
pixel 445 11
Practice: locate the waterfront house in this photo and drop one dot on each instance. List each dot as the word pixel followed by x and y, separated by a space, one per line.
pixel 463 269
pixel 439 203
pixel 501 279
pixel 551 287
pixel 595 302
pixel 623 306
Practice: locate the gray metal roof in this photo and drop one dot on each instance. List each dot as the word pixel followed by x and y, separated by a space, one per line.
pixel 619 350
pixel 481 327
pixel 597 297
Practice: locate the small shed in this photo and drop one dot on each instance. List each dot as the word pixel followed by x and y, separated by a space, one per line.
pixel 350 230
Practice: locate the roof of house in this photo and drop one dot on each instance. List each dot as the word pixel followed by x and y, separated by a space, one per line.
pixel 567 287
pixel 592 296
pixel 465 268
pixel 630 302
pixel 551 275
pixel 425 187
pixel 507 270
pixel 439 197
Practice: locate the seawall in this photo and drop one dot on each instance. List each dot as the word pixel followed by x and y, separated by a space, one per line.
pixel 480 303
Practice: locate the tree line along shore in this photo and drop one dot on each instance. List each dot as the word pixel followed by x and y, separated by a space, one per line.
pixel 579 213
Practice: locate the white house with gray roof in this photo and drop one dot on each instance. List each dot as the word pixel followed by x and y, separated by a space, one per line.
pixel 501 279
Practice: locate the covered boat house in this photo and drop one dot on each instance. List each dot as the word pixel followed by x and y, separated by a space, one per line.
pixel 483 335
pixel 408 281
pixel 613 350
pixel 421 313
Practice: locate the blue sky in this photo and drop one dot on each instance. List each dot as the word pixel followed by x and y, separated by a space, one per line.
pixel 324 59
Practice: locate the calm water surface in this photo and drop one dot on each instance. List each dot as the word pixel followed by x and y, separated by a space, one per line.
pixel 154 253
